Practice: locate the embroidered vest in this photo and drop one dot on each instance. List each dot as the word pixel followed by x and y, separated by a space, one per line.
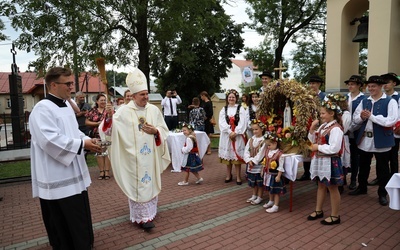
pixel 237 117
pixel 195 149
pixel 324 139
pixel 396 97
pixel 321 96
pixel 268 161
pixel 383 136
pixel 254 150
pixel 252 113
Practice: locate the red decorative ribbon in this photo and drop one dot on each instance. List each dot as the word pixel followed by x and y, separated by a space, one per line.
pixel 233 126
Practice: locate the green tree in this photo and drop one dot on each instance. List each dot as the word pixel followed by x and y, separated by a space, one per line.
pixel 282 19
pixel 262 56
pixel 54 30
pixel 119 77
pixel 3 37
pixel 198 54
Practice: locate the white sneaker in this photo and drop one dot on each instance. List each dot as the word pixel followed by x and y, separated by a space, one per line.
pixel 268 204
pixel 252 198
pixel 273 209
pixel 183 183
pixel 256 201
pixel 199 181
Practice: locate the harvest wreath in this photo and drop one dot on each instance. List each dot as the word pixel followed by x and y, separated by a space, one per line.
pixel 287 108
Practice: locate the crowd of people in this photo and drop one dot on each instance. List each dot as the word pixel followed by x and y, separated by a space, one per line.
pixel 351 129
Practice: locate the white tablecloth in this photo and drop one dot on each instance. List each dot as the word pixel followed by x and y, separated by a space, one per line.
pixel 176 141
pixel 291 164
pixel 393 189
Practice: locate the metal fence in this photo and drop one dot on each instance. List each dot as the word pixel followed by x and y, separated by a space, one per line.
pixel 6 133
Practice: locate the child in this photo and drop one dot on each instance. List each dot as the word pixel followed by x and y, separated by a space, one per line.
pixel 253 156
pixel 326 165
pixel 273 179
pixel 191 159
pixel 345 117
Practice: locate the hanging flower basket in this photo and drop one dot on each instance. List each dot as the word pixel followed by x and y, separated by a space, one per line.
pixel 304 106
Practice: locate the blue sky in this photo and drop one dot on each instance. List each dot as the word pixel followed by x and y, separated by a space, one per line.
pixel 236 10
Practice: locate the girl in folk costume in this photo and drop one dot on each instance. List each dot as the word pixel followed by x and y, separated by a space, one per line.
pixel 254 98
pixel 343 104
pixel 191 160
pixel 273 179
pixel 326 165
pixel 232 141
pixel 253 156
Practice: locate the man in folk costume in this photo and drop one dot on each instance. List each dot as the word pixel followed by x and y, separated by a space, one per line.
pixel 376 114
pixel 354 97
pixel 60 176
pixel 392 80
pixel 139 151
pixel 315 83
pixel 266 78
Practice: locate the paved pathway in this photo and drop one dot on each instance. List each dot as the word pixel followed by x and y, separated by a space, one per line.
pixel 212 215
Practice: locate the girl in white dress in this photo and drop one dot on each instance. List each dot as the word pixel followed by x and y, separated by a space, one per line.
pixel 232 141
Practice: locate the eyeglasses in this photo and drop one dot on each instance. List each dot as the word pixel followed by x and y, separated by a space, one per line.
pixel 69 84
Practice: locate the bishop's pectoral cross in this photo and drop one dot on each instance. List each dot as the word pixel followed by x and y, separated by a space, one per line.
pixel 281 68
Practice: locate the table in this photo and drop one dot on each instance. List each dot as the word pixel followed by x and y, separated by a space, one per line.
pixel 175 143
pixel 393 189
pixel 291 163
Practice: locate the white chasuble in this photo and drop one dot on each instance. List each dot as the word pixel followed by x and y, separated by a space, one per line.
pixel 56 168
pixel 136 160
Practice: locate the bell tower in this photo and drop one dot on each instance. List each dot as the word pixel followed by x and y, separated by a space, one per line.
pixel 342 59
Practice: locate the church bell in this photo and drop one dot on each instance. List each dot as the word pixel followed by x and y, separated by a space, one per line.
pixel 362 30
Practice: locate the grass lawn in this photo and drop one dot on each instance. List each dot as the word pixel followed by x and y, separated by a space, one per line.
pixel 23 168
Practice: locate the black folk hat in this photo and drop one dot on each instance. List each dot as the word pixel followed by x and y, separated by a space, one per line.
pixel 391 76
pixel 376 79
pixel 355 78
pixel 266 73
pixel 315 78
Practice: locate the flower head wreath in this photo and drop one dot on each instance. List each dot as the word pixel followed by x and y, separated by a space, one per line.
pixel 232 91
pixel 331 106
pixel 273 137
pixel 254 92
pixel 336 97
pixel 259 123
pixel 187 125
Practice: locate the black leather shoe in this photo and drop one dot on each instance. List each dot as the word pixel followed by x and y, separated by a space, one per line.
pixel 353 185
pixel 148 225
pixel 304 177
pixel 238 183
pixel 383 201
pixel 374 182
pixel 332 222
pixel 358 191
pixel 318 214
pixel 229 180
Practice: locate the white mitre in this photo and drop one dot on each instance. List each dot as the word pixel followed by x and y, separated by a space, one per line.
pixel 136 81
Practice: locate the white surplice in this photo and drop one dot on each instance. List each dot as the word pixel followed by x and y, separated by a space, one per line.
pixel 56 168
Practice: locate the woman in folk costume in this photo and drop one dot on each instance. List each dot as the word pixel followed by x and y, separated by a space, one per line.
pixel 326 165
pixel 232 141
pixel 139 151
pixel 254 98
